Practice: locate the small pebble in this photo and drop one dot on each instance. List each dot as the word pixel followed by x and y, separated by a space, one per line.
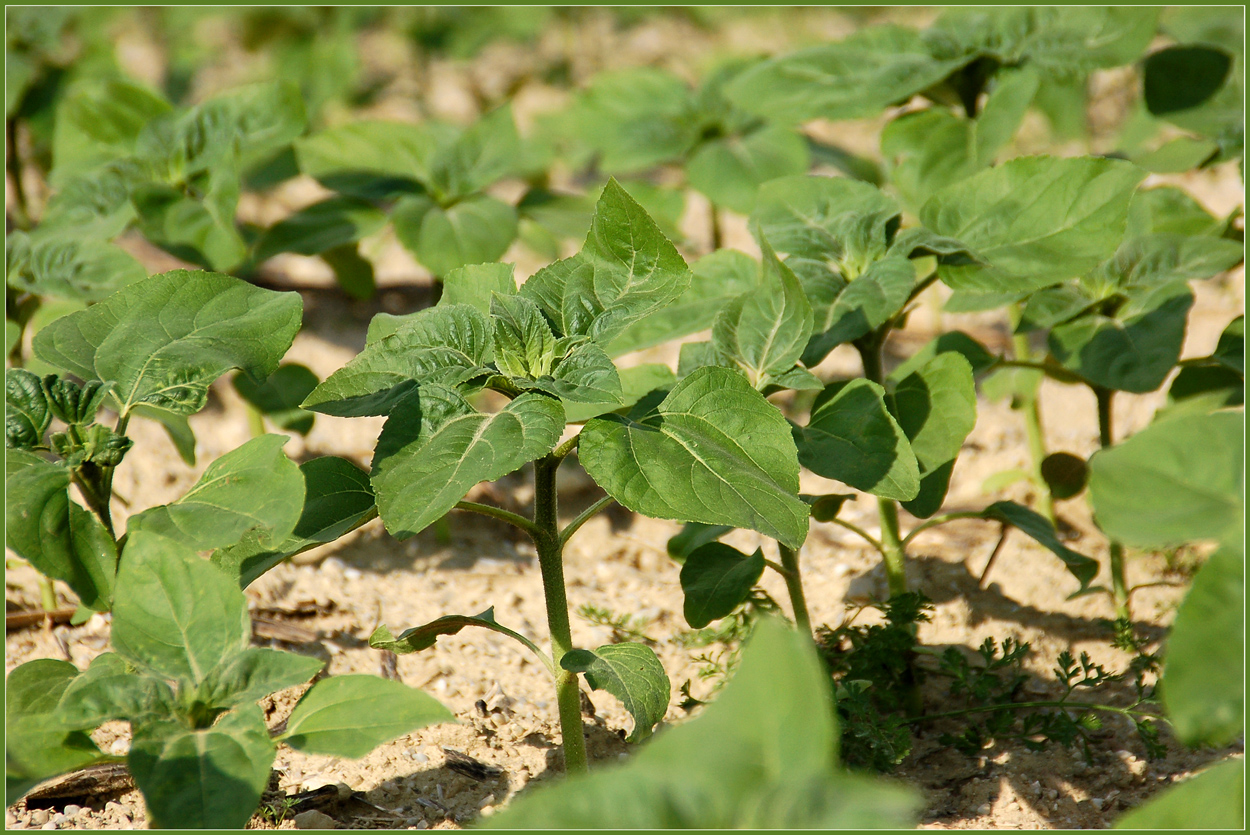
pixel 1097 803
pixel 312 819
pixel 352 573
pixel 422 824
pixel 420 758
pixel 39 817
pixel 983 809
pixel 49 825
pixel 1052 794
pixel 72 810
pixel 60 819
pixel 9 818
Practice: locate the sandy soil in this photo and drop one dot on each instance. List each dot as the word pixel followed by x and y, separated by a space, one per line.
pixel 503 701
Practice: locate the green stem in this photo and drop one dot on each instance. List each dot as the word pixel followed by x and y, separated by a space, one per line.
pixel 47 593
pixel 794 585
pixel 547 540
pixel 1106 437
pixel 939 520
pixel 1032 410
pixel 862 533
pixel 500 514
pixel 717 234
pixel 892 546
pixel 255 421
pixel 582 518
pixel 565 448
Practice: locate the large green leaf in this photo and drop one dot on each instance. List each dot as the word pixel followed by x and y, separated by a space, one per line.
pixel 203 779
pixel 1203 681
pixel 435 447
pixel 175 613
pixel 714 451
pixel 349 716
pixel 372 159
pixel 731 169
pixel 107 690
pixel 1214 798
pixel 253 486
pixel 1040 530
pixel 98 120
pixel 337 499
pixel 852 437
pixel 1132 351
pixel 472 285
pixel 472 231
pixel 487 151
pixel 765 330
pixel 859 307
pixel 253 674
pixel 625 271
pixel 448 344
pixel 201 231
pixel 321 227
pixel 936 406
pixel 854 78
pixel 37 745
pixel 631 672
pixel 1037 221
pixel 761 755
pixel 636 383
pixel 1172 483
pixel 208 324
pixel 60 539
pixel 636 119
pixel 67 266
pixel 716 579
pixel 716 278
pixel 26 412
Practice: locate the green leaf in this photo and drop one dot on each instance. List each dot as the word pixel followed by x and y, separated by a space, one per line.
pixel 349 716
pixel 337 499
pixel 67 266
pixel 523 343
pixel 731 169
pixel 422 637
pixel 1214 798
pixel 636 383
pixel 60 539
pixel 713 451
pixel 108 690
pixel 352 271
pixel 1183 77
pixel 199 231
pixel 321 227
pixel 472 231
pixel 372 159
pixel 1167 210
pixel 586 375
pixel 435 447
pixel 852 437
pixel 1132 351
pixel 26 412
pixel 37 745
pixel 694 535
pixel 1172 483
pixel 625 271
pixel 861 306
pixel 1203 682
pixel 1039 529
pixel 487 151
pixel 253 486
pixel 472 285
pixel 203 779
pixel 1065 474
pixel 177 428
pixel 253 674
pixel 978 357
pixel 446 344
pixel 631 672
pixel 175 613
pixel 1177 156
pixel 765 330
pixel 636 119
pixel 759 756
pixel 1202 389
pixel 209 324
pixel 97 121
pixel 280 395
pixel 936 407
pixel 1231 349
pixel 853 78
pixel 716 279
pixel 716 579
pixel 1035 220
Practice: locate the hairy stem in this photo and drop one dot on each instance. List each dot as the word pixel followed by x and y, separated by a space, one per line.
pixel 892 546
pixel 500 514
pixel 1106 437
pixel 547 540
pixel 582 518
pixel 1030 407
pixel 794 585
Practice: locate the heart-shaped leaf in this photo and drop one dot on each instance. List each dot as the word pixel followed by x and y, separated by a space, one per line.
pixel 471 231
pixel 713 451
pixel 209 324
pixel 716 579
pixel 349 716
pixel 631 672
pixel 731 169
pixel 852 437
pixel 435 447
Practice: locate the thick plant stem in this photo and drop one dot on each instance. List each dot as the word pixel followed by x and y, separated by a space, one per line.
pixel 1106 437
pixel 551 563
pixel 892 546
pixel 1032 411
pixel 794 585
